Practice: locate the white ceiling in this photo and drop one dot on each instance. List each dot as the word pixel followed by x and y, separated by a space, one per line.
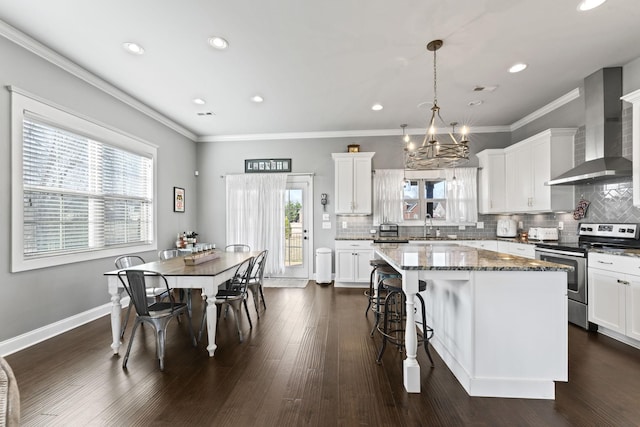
pixel 321 65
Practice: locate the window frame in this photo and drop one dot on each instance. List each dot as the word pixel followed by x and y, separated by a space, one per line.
pixel 74 122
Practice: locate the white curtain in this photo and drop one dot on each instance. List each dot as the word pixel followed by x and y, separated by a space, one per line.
pixel 255 215
pixel 462 199
pixel 388 196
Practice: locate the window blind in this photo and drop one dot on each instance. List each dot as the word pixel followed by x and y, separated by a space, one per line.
pixel 81 194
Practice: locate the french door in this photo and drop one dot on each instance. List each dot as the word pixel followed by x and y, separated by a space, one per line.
pixel 298 223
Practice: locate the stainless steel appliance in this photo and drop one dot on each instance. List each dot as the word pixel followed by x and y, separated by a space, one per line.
pixel 389 233
pixel 590 235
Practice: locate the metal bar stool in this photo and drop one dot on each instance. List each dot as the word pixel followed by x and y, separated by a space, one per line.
pixel 384 272
pixel 396 315
pixel 370 294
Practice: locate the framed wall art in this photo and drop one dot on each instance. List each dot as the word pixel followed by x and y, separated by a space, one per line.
pixel 267 165
pixel 178 199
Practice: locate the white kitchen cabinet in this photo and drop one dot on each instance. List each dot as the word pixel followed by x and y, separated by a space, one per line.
pixel 529 164
pixel 491 182
pixel 614 293
pixel 353 183
pixel 520 249
pixel 352 261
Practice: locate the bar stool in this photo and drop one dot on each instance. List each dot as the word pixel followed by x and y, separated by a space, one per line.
pixel 370 294
pixel 384 272
pixel 396 315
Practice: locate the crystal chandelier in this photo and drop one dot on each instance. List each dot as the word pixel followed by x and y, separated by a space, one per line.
pixel 433 153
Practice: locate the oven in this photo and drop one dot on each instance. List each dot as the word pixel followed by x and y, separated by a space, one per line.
pixel 576 279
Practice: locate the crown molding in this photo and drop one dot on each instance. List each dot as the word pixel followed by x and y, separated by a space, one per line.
pixel 21 39
pixel 335 134
pixel 553 105
pixel 633 97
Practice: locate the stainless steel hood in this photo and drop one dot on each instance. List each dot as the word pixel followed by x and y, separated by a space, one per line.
pixel 603 131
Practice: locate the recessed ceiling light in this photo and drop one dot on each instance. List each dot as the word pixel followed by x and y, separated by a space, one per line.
pixel 516 68
pixel 133 48
pixel 585 5
pixel 377 107
pixel 218 43
pixel 257 99
pixel 475 103
pixel 199 101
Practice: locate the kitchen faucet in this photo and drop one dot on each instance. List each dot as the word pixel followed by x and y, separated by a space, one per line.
pixel 424 232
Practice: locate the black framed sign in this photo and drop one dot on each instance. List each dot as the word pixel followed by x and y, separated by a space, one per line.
pixel 267 165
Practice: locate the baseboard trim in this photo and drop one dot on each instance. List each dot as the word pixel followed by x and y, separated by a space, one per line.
pixel 20 342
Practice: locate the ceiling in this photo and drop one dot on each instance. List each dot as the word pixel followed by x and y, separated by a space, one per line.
pixel 320 66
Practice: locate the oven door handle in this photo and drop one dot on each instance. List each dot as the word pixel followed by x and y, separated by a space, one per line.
pixel 554 252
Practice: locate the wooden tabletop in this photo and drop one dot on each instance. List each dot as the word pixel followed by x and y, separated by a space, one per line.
pixel 177 267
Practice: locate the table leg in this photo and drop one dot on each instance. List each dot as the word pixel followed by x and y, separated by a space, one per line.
pixel 411 368
pixel 212 319
pixel 116 312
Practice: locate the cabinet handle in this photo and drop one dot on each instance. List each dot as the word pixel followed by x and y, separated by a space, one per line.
pixel 623 282
pixel 604 262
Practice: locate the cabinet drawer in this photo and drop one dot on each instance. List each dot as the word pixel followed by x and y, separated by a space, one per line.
pixel 617 263
pixel 353 244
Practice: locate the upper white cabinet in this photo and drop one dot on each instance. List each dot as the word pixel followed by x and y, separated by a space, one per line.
pixel 634 98
pixel 529 164
pixel 491 182
pixel 353 183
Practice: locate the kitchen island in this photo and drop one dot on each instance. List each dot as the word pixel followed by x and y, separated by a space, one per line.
pixel 500 320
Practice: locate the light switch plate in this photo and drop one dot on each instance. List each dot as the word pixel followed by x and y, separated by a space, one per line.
pixel 326 225
pixel 480 225
pixel 462 227
pixel 325 217
pixel 344 224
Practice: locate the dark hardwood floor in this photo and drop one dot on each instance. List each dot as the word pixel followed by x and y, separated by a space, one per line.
pixel 308 360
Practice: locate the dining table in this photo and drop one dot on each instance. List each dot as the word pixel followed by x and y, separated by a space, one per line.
pixel 207 276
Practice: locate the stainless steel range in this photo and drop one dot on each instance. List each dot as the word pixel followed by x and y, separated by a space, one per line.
pixel 590 235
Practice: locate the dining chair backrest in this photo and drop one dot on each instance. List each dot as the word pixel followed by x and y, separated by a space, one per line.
pixel 136 287
pixel 237 248
pixel 242 275
pixel 126 261
pixel 9 396
pixel 258 266
pixel 168 254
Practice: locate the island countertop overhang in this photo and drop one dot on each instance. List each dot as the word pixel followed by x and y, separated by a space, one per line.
pixel 453 257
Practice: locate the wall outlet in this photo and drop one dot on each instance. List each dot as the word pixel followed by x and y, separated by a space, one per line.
pixel 326 225
pixel 462 227
pixel 373 231
pixel 480 225
pixel 520 225
pixel 344 224
pixel 560 225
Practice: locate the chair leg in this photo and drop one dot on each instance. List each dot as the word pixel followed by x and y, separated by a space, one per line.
pixel 160 342
pixel 376 312
pixel 246 309
pixel 133 334
pixel 126 320
pixel 384 327
pixel 425 330
pixel 264 304
pixel 373 272
pixel 256 300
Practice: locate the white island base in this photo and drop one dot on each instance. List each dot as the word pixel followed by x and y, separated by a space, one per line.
pixel 502 333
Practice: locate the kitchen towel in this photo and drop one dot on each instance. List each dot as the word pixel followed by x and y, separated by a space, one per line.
pixel 581 209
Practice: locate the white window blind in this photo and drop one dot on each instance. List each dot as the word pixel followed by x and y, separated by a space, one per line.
pixel 76 197
pixel 81 194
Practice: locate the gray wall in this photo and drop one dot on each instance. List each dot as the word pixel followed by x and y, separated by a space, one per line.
pixel 36 298
pixel 308 156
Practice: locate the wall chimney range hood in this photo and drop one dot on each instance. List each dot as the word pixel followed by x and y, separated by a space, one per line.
pixel 603 131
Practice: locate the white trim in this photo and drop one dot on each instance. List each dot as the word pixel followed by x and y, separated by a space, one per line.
pixel 634 99
pixel 20 342
pixel 553 105
pixel 32 45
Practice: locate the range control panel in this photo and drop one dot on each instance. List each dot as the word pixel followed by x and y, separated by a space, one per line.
pixel 620 231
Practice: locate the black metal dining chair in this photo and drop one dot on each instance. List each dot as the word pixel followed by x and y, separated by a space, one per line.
pixel 256 281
